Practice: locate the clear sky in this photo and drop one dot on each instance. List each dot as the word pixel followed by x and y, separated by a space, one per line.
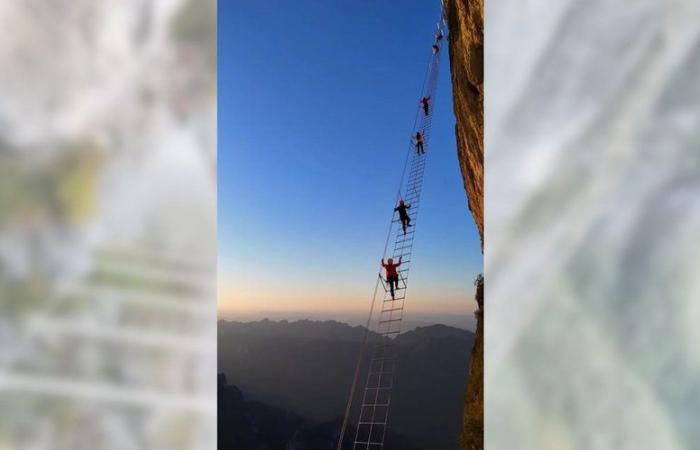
pixel 316 103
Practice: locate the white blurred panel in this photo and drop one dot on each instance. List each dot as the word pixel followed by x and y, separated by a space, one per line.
pixel 108 224
pixel 592 224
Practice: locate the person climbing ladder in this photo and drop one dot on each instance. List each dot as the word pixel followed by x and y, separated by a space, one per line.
pixel 403 215
pixel 419 143
pixel 424 102
pixel 392 276
pixel 369 418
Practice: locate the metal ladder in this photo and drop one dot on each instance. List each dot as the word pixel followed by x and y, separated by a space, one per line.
pixel 376 399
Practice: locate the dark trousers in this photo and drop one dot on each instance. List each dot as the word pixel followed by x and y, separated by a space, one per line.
pixel 425 109
pixel 419 147
pixel 393 280
pixel 405 223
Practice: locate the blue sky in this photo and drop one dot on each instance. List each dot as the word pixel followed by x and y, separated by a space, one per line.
pixel 316 104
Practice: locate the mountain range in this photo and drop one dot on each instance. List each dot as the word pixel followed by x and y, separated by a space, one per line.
pixel 305 368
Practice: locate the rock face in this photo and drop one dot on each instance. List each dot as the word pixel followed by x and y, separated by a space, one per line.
pixel 472 437
pixel 466 38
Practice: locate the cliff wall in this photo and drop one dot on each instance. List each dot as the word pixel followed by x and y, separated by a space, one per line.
pixel 466 43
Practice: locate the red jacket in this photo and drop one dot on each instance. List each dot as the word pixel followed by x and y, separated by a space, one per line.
pixel 391 268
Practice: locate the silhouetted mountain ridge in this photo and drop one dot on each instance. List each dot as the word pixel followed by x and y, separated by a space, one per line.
pixel 250 425
pixel 309 329
pixel 306 367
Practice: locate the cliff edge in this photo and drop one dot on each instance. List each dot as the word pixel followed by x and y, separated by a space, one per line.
pixel 465 19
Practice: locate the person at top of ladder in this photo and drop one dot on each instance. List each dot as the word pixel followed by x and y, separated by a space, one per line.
pixel 438 36
pixel 392 276
pixel 435 49
pixel 425 103
pixel 403 215
pixel 419 143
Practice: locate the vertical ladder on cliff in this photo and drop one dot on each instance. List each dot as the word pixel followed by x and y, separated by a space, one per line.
pixel 376 398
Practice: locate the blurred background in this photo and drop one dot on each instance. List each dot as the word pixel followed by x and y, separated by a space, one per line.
pixel 108 224
pixel 592 225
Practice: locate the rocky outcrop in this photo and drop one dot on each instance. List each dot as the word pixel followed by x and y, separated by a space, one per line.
pixel 466 41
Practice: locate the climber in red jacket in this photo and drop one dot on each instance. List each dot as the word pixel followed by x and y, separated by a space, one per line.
pixel 392 276
pixel 424 103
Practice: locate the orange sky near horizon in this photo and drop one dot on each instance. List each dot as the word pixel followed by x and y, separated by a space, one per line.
pixel 251 297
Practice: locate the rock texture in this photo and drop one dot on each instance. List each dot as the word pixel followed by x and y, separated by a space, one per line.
pixel 466 41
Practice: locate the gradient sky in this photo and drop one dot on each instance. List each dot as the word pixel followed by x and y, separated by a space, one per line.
pixel 316 103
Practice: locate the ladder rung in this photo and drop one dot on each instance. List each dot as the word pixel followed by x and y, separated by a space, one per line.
pixel 390 320
pixel 394 299
pixel 383 372
pixel 374 405
pixel 392 310
pixel 412 218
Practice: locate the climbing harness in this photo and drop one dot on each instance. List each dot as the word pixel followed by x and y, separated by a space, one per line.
pixel 371 423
